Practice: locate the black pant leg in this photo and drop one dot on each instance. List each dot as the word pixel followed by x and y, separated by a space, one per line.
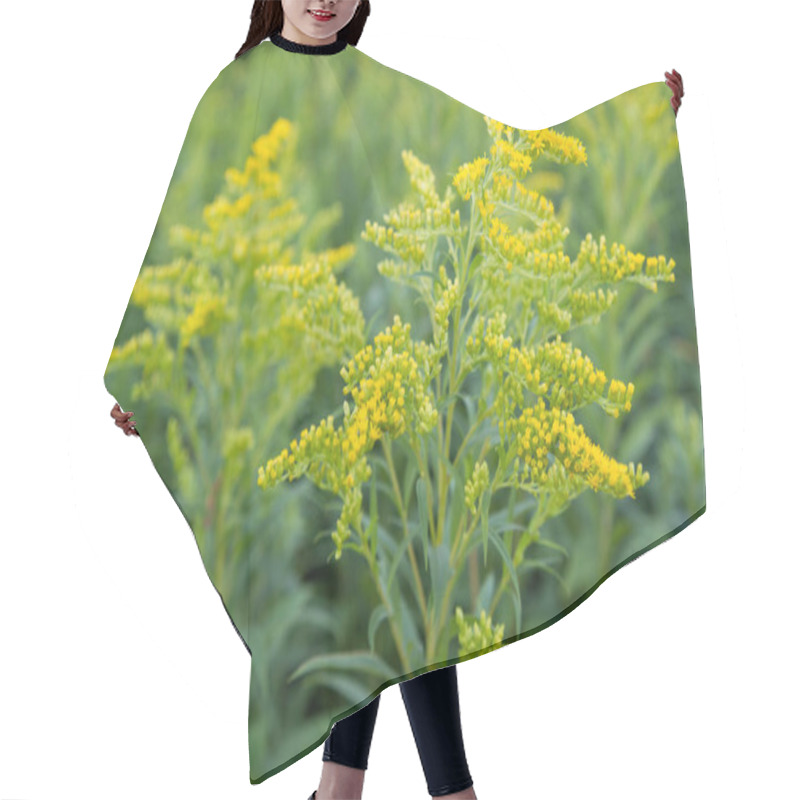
pixel 433 710
pixel 350 738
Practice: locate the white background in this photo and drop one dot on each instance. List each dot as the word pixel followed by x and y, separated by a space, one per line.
pixel 120 673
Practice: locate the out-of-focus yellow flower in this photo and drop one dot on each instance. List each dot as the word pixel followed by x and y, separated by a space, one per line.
pixel 205 318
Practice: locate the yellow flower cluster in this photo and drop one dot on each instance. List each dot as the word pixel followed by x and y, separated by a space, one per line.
pixel 298 277
pixel 446 295
pixel 184 237
pixel 153 353
pixel 517 362
pixel 497 129
pixel 262 239
pixel 535 252
pixel 310 310
pixel 390 398
pixel 549 264
pixel 555 367
pixel 658 267
pixel 351 510
pixel 585 305
pixel 319 453
pixel 428 221
pixel 138 345
pixel 558 146
pixel 553 316
pixel 422 179
pixel 485 330
pixel 265 151
pixel 222 209
pixel 468 176
pixel 256 182
pixel 316 453
pixel 399 271
pixel 390 386
pixel 406 245
pixel 619 263
pixel 507 190
pixel 521 248
pixel 154 285
pixel 518 155
pixel 477 633
pixel 249 221
pixel 268 146
pixel 540 432
pixel 509 245
pixel 315 271
pixel 167 293
pixel 515 366
pixel 409 228
pixel 548 235
pixel 486 208
pixel 620 395
pixel 573 379
pixel 476 485
pixel 508 155
pixel 206 317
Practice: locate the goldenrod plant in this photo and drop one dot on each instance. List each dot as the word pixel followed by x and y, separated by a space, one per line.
pixel 496 369
pixel 223 314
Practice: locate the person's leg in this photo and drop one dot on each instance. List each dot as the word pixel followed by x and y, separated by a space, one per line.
pixel 433 710
pixel 346 753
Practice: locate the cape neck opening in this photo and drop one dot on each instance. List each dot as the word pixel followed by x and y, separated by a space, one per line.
pixel 309 49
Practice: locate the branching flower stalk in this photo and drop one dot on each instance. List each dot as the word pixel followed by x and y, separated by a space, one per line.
pixel 221 317
pixel 500 305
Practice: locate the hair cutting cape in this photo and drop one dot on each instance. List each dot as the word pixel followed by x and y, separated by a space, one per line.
pixel 418 381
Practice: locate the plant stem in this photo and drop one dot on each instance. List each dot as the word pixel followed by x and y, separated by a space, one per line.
pixel 461 269
pixel 373 568
pixel 401 508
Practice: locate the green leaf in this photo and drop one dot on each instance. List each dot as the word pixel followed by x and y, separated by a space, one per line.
pixel 398 555
pixel 553 545
pixel 427 273
pixel 410 634
pixel 358 661
pixel 445 401
pixel 387 489
pixel 636 316
pixel 513 574
pixel 484 599
pixel 350 688
pixel 644 341
pixel 642 429
pixel 379 614
pixel 457 507
pixel 535 563
pixel 470 403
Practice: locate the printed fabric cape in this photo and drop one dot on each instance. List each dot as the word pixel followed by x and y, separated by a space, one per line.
pixel 418 381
